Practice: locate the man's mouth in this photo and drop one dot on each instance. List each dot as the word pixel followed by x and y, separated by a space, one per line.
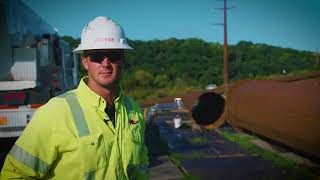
pixel 106 73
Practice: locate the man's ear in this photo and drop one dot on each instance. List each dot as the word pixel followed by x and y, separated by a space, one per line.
pixel 85 62
pixel 122 63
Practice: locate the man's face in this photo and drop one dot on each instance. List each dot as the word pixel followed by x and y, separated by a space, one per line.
pixel 104 67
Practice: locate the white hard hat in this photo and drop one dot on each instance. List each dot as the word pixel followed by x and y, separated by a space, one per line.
pixel 102 33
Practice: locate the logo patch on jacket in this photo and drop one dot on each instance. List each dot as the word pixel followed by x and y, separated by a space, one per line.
pixel 133 118
pixel 133 122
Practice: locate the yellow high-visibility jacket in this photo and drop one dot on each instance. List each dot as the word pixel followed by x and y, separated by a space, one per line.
pixel 71 137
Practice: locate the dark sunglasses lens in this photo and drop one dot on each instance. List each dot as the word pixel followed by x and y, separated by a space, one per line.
pixel 112 56
pixel 96 57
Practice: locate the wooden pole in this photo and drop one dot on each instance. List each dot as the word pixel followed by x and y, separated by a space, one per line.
pixel 225 47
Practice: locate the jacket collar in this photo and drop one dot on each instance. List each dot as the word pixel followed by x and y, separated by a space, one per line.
pixel 84 92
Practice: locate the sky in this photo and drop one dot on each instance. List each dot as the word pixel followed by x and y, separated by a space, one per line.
pixel 285 23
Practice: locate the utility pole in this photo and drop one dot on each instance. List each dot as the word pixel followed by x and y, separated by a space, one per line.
pixel 225 44
pixel 225 47
pixel 225 55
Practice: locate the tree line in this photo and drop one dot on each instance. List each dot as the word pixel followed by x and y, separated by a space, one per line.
pixel 159 68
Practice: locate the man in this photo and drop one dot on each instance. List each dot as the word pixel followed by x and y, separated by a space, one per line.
pixel 92 132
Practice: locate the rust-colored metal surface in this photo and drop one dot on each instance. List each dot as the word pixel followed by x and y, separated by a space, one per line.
pixel 285 109
pixel 285 112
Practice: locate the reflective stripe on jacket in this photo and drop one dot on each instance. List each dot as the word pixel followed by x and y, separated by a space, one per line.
pixel 71 137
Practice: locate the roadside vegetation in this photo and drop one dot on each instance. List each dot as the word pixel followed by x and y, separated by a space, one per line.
pixel 296 171
pixel 160 68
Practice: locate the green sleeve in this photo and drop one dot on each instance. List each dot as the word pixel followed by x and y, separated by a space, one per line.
pixel 34 151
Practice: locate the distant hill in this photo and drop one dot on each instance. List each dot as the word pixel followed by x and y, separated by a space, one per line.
pixel 167 67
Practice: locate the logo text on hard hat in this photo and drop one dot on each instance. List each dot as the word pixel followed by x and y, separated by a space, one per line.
pixel 106 39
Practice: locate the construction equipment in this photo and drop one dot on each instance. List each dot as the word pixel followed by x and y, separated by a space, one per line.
pixel 36 64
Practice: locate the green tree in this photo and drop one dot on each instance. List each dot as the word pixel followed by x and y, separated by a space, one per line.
pixel 161 80
pixel 73 43
pixel 192 63
pixel 143 78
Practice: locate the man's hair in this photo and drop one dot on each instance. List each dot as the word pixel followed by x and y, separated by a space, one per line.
pixel 82 54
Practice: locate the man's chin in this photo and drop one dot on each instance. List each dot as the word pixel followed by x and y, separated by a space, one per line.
pixel 109 84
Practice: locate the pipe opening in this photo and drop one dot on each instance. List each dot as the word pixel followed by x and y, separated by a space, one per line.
pixel 208 109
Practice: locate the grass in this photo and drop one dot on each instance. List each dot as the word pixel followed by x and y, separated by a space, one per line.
pixel 144 94
pixel 185 126
pixel 243 141
pixel 176 159
pixel 191 155
pixel 296 170
pixel 293 170
pixel 199 140
pixel 190 177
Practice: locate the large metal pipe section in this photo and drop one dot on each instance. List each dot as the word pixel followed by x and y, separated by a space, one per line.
pixel 285 109
pixel 285 112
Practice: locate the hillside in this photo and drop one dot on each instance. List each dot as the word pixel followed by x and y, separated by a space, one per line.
pixel 159 68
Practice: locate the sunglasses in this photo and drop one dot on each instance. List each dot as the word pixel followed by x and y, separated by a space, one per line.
pixel 113 56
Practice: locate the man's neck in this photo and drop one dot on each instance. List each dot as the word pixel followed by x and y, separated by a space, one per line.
pixel 107 93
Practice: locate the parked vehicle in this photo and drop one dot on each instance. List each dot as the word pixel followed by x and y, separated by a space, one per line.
pixel 36 64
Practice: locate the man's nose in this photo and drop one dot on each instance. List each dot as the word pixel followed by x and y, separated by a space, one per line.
pixel 105 61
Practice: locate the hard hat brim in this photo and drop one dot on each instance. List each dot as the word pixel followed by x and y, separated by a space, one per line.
pixel 80 48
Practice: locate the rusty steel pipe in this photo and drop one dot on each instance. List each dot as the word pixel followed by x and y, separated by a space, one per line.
pixel 285 109
pixel 288 113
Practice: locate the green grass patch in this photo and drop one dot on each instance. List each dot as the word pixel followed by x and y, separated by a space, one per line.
pixel 199 140
pixel 144 94
pixel 185 126
pixel 191 155
pixel 243 141
pixel 296 171
pixel 176 158
pixel 190 177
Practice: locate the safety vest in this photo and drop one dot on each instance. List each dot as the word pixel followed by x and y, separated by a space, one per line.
pixel 70 138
